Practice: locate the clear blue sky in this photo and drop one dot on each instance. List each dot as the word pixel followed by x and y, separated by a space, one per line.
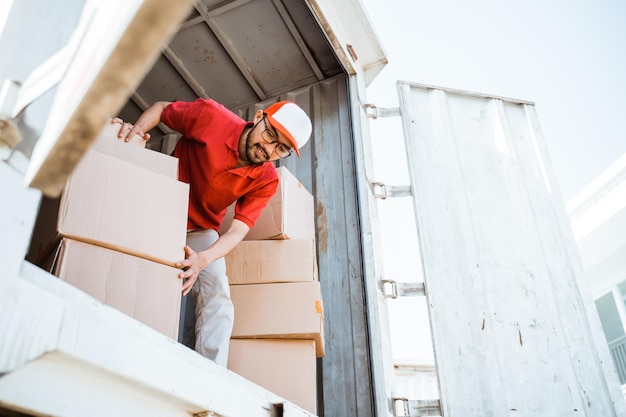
pixel 569 57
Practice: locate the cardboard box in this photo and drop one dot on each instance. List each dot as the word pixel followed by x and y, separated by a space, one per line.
pixel 147 291
pixel 290 214
pixel 115 204
pixel 134 152
pixel 285 367
pixel 267 261
pixel 291 310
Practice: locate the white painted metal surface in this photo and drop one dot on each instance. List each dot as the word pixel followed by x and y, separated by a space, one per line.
pixel 378 320
pixel 514 328
pixel 353 39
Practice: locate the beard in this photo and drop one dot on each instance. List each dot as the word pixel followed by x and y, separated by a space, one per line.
pixel 256 154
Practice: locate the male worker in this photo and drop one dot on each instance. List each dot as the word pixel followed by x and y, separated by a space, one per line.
pixel 224 159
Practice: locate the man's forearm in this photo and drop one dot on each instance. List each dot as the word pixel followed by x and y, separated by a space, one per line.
pixel 151 117
pixel 227 241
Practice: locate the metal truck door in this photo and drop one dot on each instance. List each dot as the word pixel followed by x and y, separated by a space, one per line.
pixel 514 329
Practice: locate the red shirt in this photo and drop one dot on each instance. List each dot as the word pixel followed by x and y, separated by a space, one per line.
pixel 208 153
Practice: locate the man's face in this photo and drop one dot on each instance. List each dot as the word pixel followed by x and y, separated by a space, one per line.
pixel 264 143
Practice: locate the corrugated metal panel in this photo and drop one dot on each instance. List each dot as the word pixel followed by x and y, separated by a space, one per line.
pixel 513 333
pixel 346 368
pixel 217 52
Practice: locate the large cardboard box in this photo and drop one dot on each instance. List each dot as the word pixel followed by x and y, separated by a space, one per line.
pixel 290 310
pixel 290 214
pixel 147 291
pixel 115 204
pixel 134 152
pixel 285 367
pixel 266 261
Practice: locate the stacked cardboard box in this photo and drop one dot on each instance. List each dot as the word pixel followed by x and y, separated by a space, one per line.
pixel 279 322
pixel 118 229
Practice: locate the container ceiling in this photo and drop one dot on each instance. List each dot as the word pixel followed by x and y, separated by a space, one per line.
pixel 239 53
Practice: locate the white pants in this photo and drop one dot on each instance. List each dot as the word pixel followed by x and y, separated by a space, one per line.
pixel 214 309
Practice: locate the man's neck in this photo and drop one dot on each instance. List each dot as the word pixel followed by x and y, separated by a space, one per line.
pixel 241 147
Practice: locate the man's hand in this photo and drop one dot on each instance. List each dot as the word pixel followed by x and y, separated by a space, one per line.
pixel 196 261
pixel 128 130
pixel 149 119
pixel 192 265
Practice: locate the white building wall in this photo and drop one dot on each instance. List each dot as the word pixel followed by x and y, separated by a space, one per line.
pixel 598 219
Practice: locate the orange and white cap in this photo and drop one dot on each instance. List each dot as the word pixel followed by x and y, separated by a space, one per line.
pixel 290 120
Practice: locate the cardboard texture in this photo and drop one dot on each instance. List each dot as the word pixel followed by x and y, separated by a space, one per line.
pixel 285 367
pixel 118 205
pixel 267 261
pixel 115 204
pixel 134 152
pixel 288 215
pixel 147 291
pixel 279 311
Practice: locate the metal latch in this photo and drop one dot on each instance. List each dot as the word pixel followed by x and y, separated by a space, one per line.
pixel 393 289
pixel 403 407
pixel 382 191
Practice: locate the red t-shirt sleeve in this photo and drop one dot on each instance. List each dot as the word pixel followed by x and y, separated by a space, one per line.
pixel 191 119
pixel 249 207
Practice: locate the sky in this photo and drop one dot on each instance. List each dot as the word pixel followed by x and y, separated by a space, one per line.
pixel 568 57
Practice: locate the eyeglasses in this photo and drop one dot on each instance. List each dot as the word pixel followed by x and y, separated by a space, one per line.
pixel 271 137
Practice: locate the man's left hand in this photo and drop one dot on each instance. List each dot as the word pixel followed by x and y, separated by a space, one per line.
pixel 192 265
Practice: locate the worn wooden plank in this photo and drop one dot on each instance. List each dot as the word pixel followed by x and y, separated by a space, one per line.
pixel 110 57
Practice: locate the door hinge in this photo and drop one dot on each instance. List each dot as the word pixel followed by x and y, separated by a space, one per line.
pixel 382 191
pixel 373 112
pixel 403 407
pixel 393 289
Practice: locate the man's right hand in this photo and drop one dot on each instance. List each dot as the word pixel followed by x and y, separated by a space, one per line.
pixel 128 130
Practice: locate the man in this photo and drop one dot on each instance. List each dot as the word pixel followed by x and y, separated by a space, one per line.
pixel 223 159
